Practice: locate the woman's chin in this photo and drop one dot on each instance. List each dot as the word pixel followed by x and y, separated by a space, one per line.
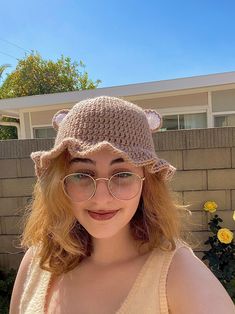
pixel 105 232
pixel 102 234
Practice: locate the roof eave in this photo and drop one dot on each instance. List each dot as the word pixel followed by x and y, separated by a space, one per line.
pixel 162 86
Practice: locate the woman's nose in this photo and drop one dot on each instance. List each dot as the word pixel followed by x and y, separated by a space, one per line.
pixel 102 190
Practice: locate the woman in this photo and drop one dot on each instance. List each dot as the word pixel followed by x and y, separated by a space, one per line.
pixel 103 231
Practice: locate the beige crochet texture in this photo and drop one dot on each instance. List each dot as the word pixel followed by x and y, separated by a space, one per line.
pixel 104 121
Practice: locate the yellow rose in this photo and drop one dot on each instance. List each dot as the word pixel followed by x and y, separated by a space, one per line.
pixel 225 235
pixel 210 206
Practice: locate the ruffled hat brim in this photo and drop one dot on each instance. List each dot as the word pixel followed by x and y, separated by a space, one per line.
pixel 76 148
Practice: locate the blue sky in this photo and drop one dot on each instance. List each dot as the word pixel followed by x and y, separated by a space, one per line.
pixel 124 41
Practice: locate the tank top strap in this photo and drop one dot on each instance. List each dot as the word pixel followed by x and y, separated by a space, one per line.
pixel 35 288
pixel 149 294
pixel 167 257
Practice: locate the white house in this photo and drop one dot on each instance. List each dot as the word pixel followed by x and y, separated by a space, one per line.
pixel 204 101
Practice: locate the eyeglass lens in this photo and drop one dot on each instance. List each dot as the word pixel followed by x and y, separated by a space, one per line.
pixel 80 186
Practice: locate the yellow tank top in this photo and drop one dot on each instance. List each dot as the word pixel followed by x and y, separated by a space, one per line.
pixel 147 295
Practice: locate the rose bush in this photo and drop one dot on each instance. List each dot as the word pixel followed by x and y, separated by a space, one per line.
pixel 221 254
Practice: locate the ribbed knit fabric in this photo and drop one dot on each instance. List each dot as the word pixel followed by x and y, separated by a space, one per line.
pixel 148 294
pixel 110 122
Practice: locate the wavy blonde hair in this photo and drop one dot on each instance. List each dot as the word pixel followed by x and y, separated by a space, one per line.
pixel 50 225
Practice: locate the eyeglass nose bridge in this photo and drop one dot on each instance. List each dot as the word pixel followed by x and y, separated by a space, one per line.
pixel 106 179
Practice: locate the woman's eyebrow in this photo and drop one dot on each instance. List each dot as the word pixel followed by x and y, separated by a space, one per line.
pixel 87 160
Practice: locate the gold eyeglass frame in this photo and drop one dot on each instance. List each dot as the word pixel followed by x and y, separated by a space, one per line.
pixel 95 184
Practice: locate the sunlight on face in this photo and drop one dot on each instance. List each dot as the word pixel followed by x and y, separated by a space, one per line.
pixel 104 215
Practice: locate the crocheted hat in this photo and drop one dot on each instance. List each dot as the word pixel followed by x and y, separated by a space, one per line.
pixel 110 122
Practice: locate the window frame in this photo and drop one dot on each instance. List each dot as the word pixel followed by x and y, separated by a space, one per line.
pixel 221 113
pixel 184 113
pixel 37 127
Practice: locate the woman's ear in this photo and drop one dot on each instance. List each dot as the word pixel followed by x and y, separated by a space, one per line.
pixel 154 119
pixel 59 117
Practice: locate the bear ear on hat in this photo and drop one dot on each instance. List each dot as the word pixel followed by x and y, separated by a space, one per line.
pixel 59 117
pixel 154 119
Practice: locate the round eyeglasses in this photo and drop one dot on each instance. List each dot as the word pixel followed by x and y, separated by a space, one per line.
pixel 80 187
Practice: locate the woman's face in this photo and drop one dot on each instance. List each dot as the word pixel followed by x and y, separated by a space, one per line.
pixel 118 213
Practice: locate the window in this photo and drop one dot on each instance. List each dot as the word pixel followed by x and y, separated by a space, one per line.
pixel 44 132
pixel 224 120
pixel 184 121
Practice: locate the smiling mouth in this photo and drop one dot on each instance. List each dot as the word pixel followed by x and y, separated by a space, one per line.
pixel 103 211
pixel 102 214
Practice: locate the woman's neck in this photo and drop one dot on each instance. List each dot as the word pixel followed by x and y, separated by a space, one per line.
pixel 119 248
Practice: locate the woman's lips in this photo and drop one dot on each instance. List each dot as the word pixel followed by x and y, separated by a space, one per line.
pixel 102 215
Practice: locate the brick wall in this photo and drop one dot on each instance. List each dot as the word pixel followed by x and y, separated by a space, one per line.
pixel 205 162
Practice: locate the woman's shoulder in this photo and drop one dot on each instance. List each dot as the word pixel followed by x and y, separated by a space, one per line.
pixel 20 280
pixel 193 288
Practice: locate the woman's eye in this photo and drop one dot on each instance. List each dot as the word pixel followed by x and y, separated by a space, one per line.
pixel 89 173
pixel 83 173
pixel 78 176
pixel 120 174
pixel 124 174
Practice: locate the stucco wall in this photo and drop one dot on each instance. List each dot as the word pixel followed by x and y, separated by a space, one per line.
pixel 198 99
pixel 205 159
pixel 223 100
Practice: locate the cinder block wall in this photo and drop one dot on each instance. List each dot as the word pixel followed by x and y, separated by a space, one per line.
pixel 205 162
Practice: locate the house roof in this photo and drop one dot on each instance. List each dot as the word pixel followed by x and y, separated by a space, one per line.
pixel 12 106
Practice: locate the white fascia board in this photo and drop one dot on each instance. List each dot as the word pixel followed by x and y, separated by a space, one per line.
pixel 129 90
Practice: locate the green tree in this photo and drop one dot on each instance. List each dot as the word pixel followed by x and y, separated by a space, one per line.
pixel 3 68
pixel 35 76
pixel 8 132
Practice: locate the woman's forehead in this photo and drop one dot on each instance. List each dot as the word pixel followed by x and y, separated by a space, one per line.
pixel 86 160
pixel 101 155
